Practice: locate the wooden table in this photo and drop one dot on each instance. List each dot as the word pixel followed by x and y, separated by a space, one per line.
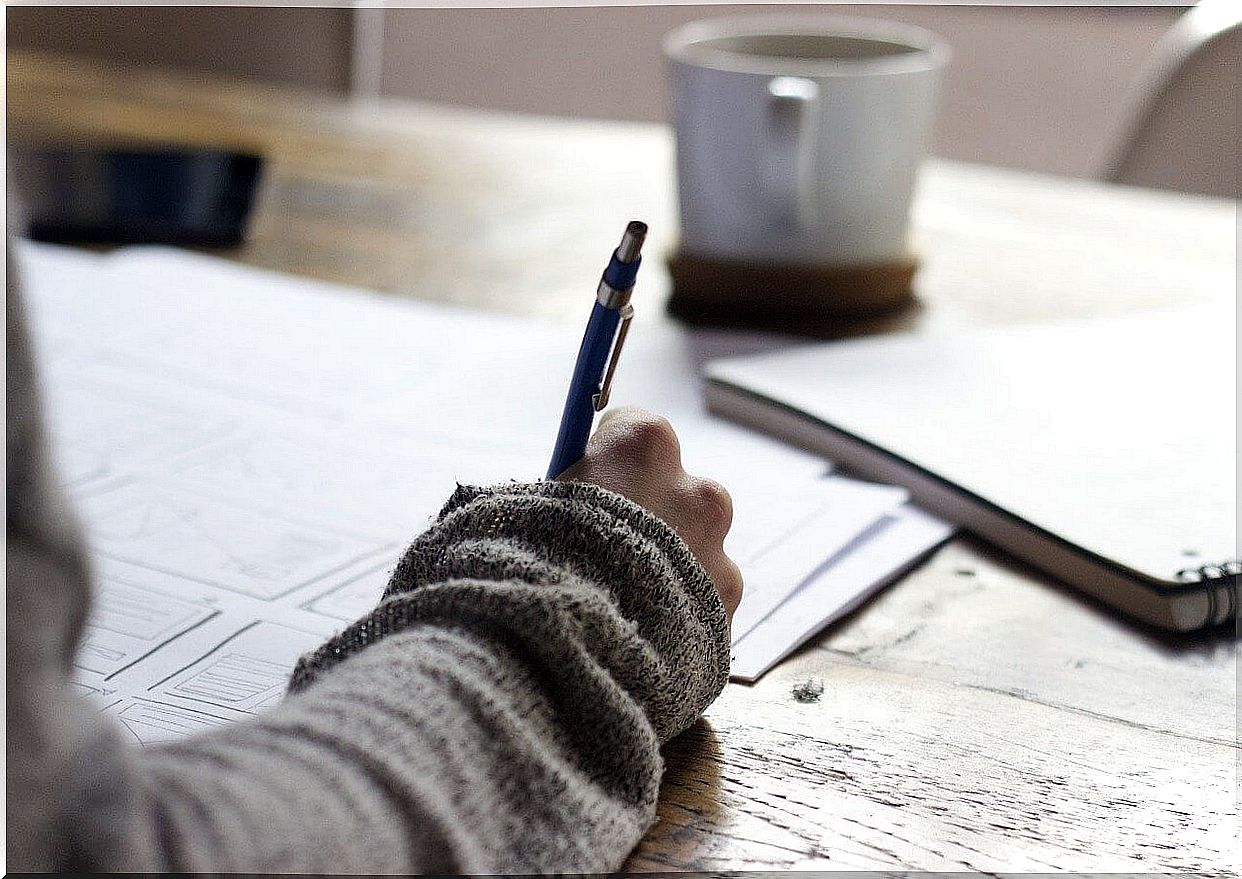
pixel 976 716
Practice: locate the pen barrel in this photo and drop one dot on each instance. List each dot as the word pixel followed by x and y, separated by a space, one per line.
pixel 579 412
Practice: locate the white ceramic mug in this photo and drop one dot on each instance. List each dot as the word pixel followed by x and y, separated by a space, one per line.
pixel 799 137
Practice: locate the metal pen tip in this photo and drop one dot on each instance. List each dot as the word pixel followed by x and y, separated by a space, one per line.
pixel 632 241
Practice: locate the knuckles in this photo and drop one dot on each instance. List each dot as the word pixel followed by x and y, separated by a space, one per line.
pixel 646 438
pixel 642 446
pixel 712 502
pixel 729 585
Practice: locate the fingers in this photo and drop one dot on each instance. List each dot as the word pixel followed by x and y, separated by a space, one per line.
pixel 713 505
pixel 710 515
pixel 727 578
pixel 637 454
pixel 636 435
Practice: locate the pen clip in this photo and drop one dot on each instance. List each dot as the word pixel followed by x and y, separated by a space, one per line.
pixel 600 400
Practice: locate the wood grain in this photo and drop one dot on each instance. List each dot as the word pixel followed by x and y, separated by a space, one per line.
pixel 980 722
pixel 976 716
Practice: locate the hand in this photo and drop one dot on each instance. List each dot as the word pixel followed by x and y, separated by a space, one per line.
pixel 636 454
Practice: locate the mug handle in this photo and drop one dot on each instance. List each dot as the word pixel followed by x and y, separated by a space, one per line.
pixel 788 158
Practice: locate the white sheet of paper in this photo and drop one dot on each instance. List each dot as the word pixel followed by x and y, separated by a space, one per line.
pixel 250 453
pixel 896 542
pixel 795 543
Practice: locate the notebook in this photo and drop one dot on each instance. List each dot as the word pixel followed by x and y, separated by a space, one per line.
pixel 1103 451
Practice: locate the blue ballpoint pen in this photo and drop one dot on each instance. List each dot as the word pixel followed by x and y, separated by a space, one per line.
pixel 605 332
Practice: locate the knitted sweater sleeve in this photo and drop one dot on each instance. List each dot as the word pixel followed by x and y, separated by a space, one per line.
pixel 500 711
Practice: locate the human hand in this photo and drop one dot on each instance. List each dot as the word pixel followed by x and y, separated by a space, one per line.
pixel 637 455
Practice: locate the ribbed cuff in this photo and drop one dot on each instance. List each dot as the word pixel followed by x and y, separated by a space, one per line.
pixel 571 550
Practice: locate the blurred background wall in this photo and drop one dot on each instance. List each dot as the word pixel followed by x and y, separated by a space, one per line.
pixel 299 46
pixel 1043 88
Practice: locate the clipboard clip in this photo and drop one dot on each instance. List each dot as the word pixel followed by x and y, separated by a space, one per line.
pixel 600 399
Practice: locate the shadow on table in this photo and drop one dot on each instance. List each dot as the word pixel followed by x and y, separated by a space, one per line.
pixel 689 802
pixel 1203 642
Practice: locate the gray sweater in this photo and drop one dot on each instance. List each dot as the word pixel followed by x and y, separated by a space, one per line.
pixel 501 710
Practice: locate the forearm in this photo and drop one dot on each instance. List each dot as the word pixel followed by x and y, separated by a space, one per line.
pixel 499 712
pixel 433 751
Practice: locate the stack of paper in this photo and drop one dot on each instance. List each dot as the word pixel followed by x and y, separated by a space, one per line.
pixel 250 453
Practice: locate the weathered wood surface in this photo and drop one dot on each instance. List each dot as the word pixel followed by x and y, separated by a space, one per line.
pixel 976 716
pixel 984 722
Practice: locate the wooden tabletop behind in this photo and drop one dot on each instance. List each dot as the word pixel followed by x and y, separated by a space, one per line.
pixel 976 716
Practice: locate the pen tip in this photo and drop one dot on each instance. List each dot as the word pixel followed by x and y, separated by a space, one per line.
pixel 632 241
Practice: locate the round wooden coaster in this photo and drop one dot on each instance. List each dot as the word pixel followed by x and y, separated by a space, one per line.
pixel 791 298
